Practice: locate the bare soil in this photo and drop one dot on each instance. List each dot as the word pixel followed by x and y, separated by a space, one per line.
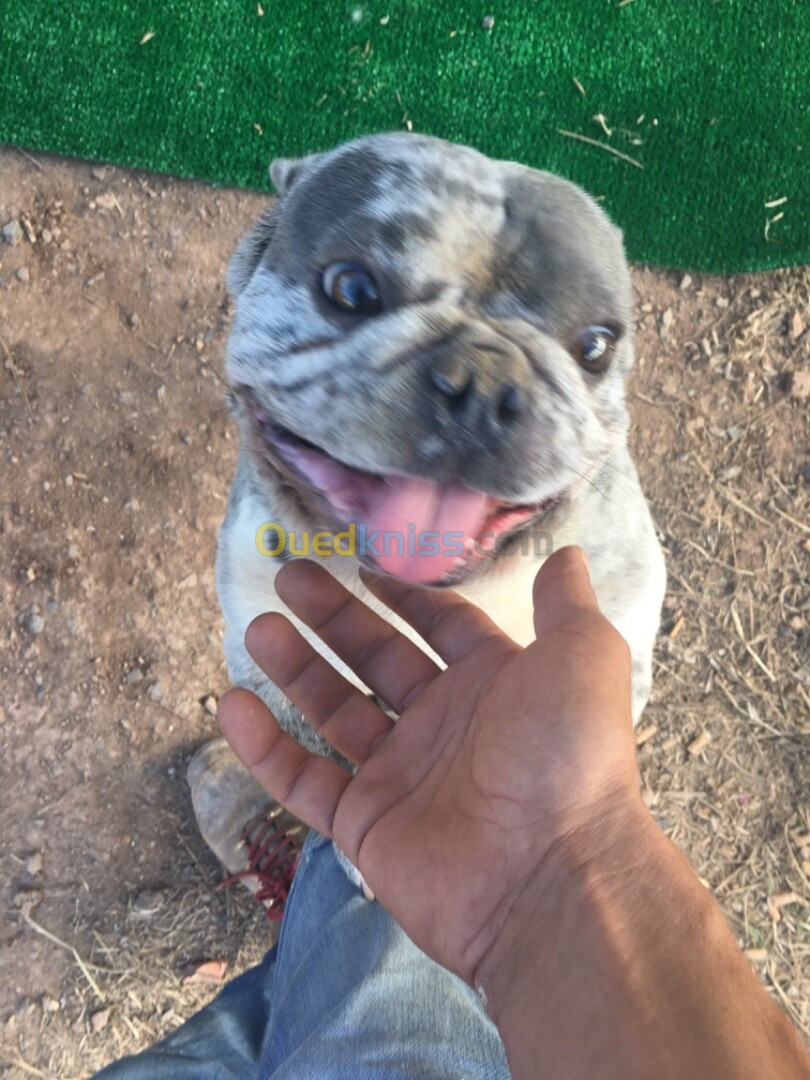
pixel 117 452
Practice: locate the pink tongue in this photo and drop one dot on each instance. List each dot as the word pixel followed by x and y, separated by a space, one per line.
pixel 422 526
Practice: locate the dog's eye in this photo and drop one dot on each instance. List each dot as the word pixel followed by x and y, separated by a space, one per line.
pixel 352 288
pixel 593 349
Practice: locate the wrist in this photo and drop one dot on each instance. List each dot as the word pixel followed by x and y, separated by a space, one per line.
pixel 615 962
pixel 564 907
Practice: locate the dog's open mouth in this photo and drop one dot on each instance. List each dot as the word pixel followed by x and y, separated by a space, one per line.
pixel 414 528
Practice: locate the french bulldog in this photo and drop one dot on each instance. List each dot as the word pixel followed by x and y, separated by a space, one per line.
pixel 427 364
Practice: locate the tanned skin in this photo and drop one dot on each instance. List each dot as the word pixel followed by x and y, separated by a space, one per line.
pixel 509 790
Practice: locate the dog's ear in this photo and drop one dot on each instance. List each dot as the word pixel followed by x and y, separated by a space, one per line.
pixel 249 253
pixel 284 172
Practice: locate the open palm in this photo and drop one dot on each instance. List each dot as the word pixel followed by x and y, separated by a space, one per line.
pixel 454 808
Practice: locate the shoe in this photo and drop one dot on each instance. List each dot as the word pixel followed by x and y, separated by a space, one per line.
pixel 255 838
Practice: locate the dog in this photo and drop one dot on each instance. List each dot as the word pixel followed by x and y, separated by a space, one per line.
pixel 430 347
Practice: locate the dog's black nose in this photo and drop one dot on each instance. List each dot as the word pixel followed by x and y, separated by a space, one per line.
pixel 500 401
pixel 455 381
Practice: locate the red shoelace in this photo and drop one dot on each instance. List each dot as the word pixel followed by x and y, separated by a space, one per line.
pixel 272 859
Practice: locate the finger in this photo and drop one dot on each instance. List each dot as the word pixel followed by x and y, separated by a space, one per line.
pixel 387 662
pixel 562 589
pixel 309 786
pixel 335 707
pixel 450 625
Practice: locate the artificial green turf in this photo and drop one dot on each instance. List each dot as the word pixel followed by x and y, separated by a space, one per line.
pixel 709 96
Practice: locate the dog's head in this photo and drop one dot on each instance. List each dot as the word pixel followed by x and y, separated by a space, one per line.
pixel 429 343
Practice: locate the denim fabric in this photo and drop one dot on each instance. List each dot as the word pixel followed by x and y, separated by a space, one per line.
pixel 345 995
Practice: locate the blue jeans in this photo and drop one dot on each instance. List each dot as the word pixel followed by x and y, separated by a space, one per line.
pixel 345 995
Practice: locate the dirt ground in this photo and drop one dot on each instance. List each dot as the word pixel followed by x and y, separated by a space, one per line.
pixel 117 452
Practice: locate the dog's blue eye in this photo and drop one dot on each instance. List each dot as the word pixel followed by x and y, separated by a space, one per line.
pixel 593 349
pixel 351 288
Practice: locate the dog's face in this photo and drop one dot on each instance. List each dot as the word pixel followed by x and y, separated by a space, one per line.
pixel 429 343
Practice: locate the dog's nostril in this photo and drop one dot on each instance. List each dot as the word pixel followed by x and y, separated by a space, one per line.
pixel 454 382
pixel 511 404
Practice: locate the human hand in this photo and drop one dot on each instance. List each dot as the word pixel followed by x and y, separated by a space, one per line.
pixel 507 756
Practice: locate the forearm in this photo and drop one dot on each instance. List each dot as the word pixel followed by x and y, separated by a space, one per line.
pixel 621 965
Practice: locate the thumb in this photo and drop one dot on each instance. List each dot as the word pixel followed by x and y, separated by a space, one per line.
pixel 562 588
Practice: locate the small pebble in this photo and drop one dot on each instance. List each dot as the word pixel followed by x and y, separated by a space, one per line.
pixel 12 232
pixel 134 676
pixel 33 864
pixel 730 473
pixel 134 321
pixel 35 623
pixel 488 22
pixel 686 281
pixel 100 1019
pixel 148 902
pixel 210 705
pixel 22 274
pixel 47 236
pixel 800 385
pixel 156 691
